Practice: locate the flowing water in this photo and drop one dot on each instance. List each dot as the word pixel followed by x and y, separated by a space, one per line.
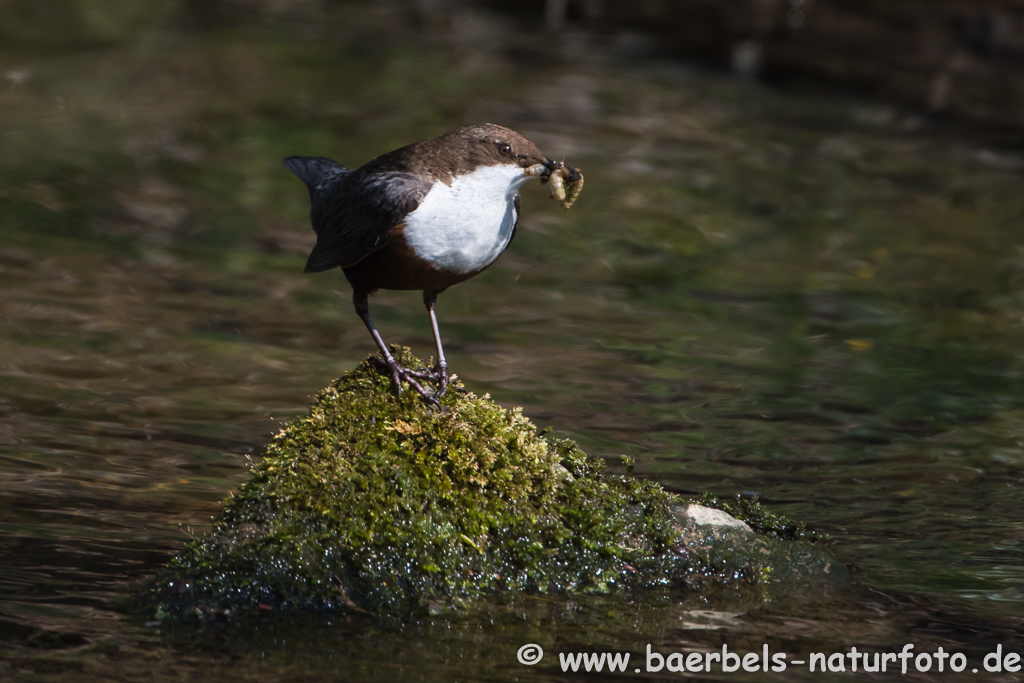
pixel 815 299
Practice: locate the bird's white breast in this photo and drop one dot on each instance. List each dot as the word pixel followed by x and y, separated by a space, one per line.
pixel 464 227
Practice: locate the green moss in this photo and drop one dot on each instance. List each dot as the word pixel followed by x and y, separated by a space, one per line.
pixel 386 505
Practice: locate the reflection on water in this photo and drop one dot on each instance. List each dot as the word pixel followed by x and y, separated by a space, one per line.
pixel 813 299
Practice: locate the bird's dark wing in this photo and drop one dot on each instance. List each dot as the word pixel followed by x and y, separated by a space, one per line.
pixel 356 214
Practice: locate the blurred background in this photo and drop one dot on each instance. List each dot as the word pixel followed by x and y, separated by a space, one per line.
pixel 796 271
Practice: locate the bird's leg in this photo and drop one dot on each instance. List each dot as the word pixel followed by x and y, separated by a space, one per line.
pixel 439 373
pixel 441 369
pixel 398 373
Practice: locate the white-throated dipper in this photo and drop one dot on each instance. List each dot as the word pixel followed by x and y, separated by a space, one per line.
pixel 426 216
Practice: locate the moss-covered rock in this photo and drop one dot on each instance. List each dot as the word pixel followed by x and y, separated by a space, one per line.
pixel 387 505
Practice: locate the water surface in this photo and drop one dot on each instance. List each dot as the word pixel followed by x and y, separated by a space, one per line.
pixel 810 298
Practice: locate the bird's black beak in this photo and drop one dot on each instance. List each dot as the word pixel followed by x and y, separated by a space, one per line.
pixel 551 165
pixel 544 169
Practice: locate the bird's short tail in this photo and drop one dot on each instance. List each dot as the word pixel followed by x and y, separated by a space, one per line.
pixel 320 176
pixel 316 172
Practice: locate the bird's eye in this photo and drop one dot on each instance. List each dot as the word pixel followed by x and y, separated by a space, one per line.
pixel 504 149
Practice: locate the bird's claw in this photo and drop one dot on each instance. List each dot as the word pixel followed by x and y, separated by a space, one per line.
pixel 400 373
pixel 439 375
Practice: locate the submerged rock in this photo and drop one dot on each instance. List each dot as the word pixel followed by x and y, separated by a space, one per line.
pixel 381 504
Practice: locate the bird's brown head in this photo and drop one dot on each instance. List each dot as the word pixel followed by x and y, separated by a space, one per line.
pixel 489 144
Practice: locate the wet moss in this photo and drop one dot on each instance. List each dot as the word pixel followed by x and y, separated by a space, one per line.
pixel 388 506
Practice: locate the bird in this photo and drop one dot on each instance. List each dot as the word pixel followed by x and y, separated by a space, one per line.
pixel 422 217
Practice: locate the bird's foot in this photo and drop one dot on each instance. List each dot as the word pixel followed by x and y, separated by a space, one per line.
pixel 439 375
pixel 400 373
